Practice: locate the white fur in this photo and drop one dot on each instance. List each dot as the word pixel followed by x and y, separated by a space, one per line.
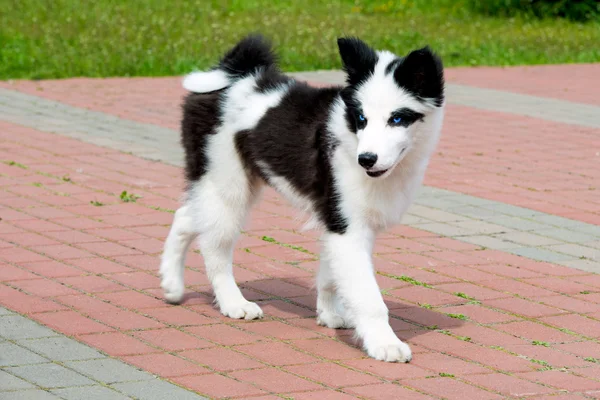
pixel 204 82
pixel 217 206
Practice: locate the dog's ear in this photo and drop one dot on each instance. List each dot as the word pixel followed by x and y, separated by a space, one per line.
pixel 421 73
pixel 358 59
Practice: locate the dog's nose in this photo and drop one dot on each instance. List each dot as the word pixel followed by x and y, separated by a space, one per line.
pixel 367 160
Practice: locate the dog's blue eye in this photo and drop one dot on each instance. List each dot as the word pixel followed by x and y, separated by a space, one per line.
pixel 397 120
pixel 361 117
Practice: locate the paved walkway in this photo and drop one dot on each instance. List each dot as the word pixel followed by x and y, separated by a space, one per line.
pixel 491 280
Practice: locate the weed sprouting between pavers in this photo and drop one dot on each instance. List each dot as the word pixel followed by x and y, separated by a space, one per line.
pixel 289 246
pixel 15 164
pixel 458 316
pixel 405 278
pixel 129 197
pixel 464 295
pixel 540 343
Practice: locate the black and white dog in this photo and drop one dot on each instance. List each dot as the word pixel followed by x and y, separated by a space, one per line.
pixel 351 156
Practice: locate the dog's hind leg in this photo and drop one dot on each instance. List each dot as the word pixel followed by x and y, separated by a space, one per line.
pixel 178 241
pixel 221 206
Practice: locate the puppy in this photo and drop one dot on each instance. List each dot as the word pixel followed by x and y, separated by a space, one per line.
pixel 351 156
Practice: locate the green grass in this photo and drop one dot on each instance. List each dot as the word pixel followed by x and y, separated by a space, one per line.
pixel 65 38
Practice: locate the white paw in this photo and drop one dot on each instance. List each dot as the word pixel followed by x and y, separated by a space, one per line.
pixel 173 288
pixel 245 310
pixel 333 321
pixel 394 351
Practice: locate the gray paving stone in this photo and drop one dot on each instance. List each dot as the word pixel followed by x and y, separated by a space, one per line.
pixel 37 394
pixel 489 242
pixel 11 382
pixel 409 219
pixel 90 393
pixel 109 370
pixel 446 229
pixel 61 348
pixel 509 209
pixel 527 239
pixel 517 223
pixel 586 228
pixel 594 245
pixel 556 221
pixel 475 212
pixel 18 327
pixel 441 203
pixel 577 251
pixel 156 390
pixel 540 254
pixel 4 311
pixel 437 215
pixel 12 354
pixel 566 235
pixel 584 265
pixel 481 227
pixel 49 375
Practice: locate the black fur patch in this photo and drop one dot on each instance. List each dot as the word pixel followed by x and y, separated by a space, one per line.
pixel 201 114
pixel 407 117
pixel 293 142
pixel 422 74
pixel 353 108
pixel 358 59
pixel 248 55
pixel 271 78
pixel 392 66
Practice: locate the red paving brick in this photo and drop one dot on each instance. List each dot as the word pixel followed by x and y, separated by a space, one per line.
pixel 322 395
pixel 388 371
pixel 562 380
pixel 218 386
pixel 509 385
pixel 449 388
pixel 387 391
pixel 171 339
pixel 275 380
pixel 166 365
pixel 71 323
pixel 222 334
pixel 332 375
pixel 59 266
pixel 328 348
pixel 221 359
pixel 279 330
pixel 117 344
pixel 276 353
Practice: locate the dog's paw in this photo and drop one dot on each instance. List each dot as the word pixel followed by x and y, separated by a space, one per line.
pixel 333 321
pixel 173 288
pixel 245 310
pixel 394 351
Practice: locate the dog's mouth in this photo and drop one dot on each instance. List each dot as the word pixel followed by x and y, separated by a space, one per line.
pixel 375 174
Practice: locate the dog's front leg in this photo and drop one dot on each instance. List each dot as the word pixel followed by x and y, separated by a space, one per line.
pixel 349 258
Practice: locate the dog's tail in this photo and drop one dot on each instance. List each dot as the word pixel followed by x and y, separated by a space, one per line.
pixel 245 58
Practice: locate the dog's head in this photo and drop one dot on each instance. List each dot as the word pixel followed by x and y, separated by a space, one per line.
pixel 387 100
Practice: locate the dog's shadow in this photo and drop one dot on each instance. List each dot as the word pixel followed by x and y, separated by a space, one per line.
pixel 407 320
